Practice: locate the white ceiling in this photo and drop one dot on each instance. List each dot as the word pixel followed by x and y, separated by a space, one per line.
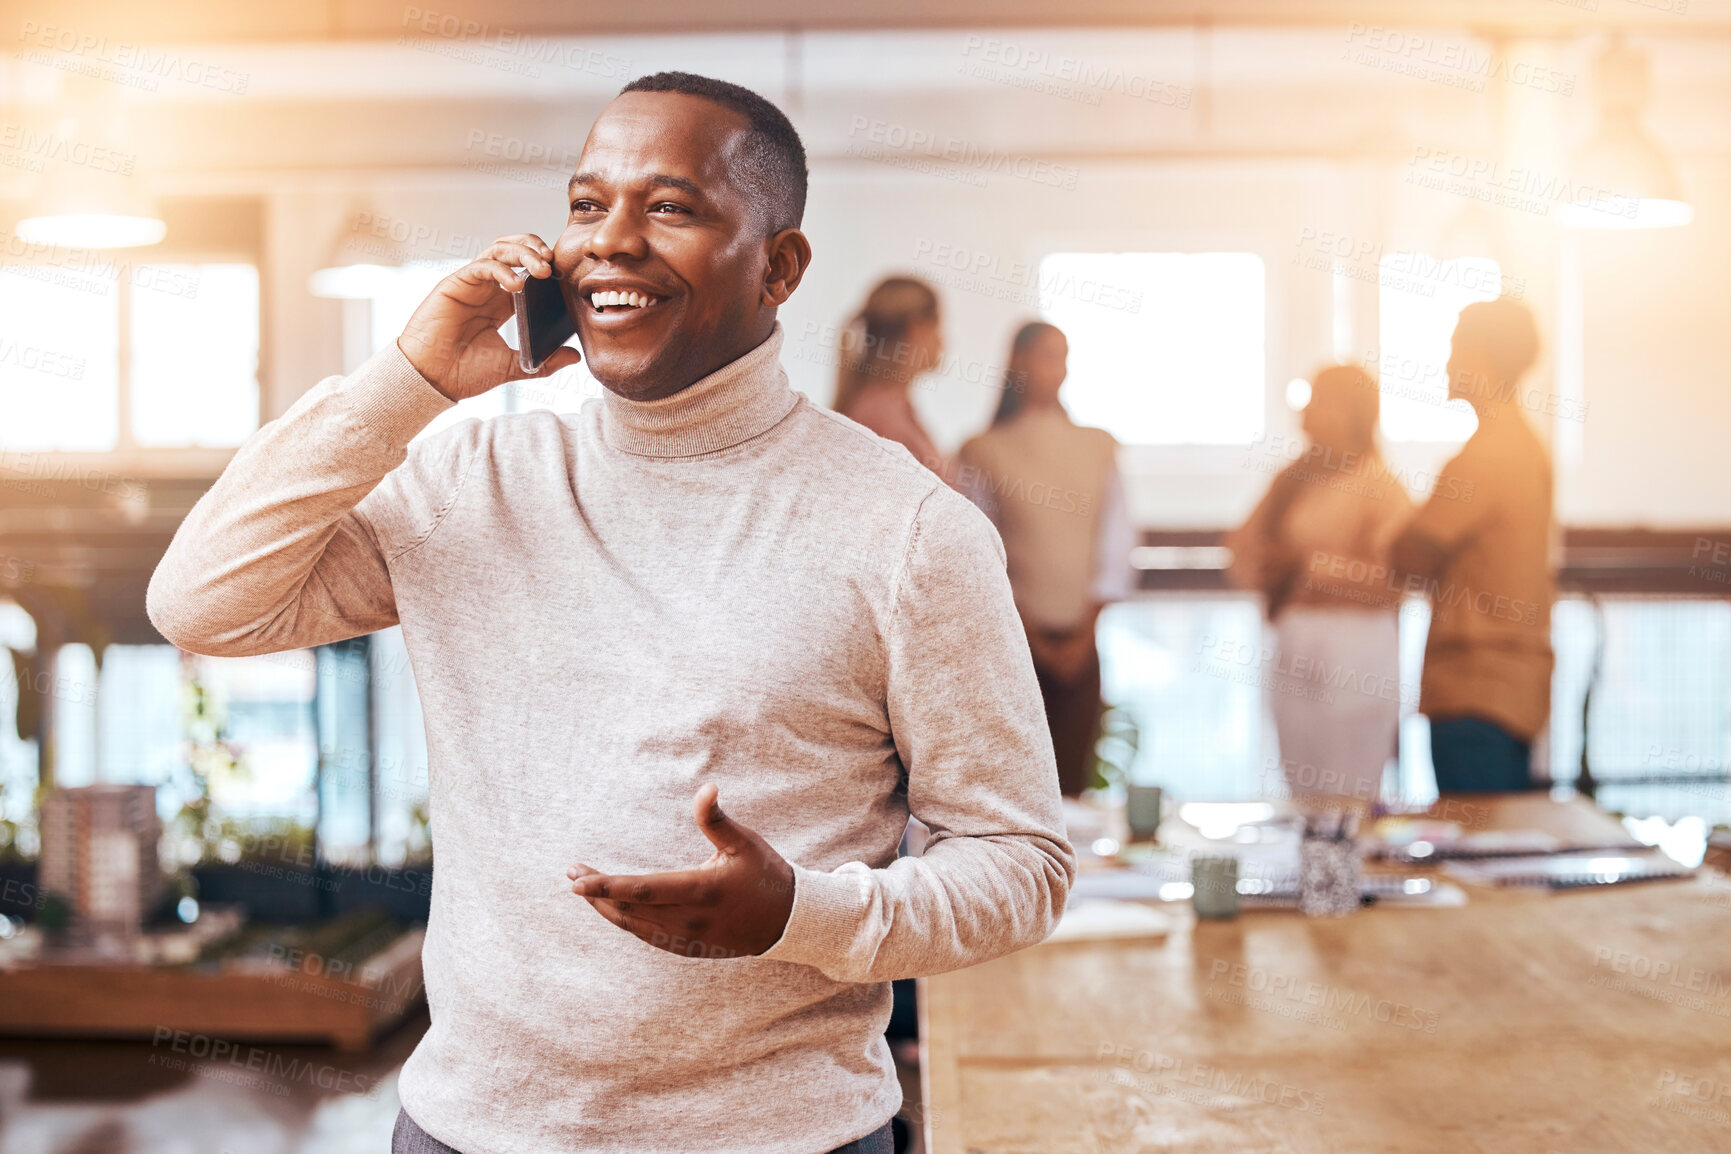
pixel 550 68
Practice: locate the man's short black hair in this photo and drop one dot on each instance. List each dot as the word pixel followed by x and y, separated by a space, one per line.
pixel 773 158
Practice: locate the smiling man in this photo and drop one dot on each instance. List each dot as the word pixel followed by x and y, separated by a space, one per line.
pixel 701 584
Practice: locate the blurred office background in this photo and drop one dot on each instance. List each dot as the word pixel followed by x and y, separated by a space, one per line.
pixel 1211 199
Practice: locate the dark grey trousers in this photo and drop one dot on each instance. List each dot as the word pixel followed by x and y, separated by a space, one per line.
pixel 409 1138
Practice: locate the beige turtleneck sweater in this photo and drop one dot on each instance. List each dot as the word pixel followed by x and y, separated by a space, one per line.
pixel 603 612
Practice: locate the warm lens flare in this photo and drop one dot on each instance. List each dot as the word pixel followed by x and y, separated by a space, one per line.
pixel 92 230
pixel 1648 212
pixel 352 281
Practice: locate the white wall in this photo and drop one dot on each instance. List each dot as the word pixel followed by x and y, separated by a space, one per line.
pixel 1656 442
pixel 1280 135
pixel 867 224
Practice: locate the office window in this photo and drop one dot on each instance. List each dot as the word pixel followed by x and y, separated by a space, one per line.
pixel 265 705
pixel 259 731
pixel 1418 301
pixel 75 692
pixel 18 777
pixel 195 356
pixel 59 360
pixel 1165 348
pixel 345 805
pixel 1168 663
pixel 1662 704
pixel 141 730
pixel 191 376
pixel 400 796
pixel 1415 782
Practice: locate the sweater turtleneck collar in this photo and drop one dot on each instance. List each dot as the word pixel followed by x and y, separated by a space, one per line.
pixel 732 405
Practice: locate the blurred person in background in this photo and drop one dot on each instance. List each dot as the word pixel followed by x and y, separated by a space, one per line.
pixel 895 337
pixel 1052 489
pixel 1316 549
pixel 1483 544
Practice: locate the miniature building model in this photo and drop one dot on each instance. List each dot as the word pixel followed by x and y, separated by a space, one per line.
pixel 99 852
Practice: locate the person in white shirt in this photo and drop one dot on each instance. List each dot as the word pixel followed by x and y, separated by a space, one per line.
pixel 1316 547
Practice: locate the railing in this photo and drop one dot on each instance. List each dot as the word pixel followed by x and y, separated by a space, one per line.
pixel 1642 695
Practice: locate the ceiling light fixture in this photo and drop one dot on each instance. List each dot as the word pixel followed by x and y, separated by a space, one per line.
pixel 1623 177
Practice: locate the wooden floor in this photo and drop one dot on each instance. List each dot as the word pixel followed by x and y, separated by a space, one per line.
pixel 131 1098
pixel 71 1097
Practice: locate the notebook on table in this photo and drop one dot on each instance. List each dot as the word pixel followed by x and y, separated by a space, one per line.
pixel 1263 883
pixel 1570 871
pixel 1406 840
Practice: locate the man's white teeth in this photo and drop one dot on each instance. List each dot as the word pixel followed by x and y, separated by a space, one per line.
pixel 603 300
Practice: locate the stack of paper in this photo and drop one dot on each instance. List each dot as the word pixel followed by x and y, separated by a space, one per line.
pixel 1101 920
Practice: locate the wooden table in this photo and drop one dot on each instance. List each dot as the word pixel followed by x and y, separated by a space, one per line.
pixel 295 1000
pixel 1550 1023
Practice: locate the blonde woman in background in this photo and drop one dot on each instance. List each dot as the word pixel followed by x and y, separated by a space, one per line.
pixel 896 336
pixel 1052 489
pixel 1316 547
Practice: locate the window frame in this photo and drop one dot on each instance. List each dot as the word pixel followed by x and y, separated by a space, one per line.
pixel 185 256
pixel 128 457
pixel 1152 468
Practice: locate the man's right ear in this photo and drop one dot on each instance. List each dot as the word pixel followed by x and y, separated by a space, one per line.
pixel 789 254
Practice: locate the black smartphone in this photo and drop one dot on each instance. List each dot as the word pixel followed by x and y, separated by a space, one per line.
pixel 543 321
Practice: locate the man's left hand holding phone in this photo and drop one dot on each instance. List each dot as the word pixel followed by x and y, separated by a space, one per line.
pixel 453 338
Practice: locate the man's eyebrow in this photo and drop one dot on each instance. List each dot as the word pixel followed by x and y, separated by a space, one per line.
pixel 663 180
pixel 655 180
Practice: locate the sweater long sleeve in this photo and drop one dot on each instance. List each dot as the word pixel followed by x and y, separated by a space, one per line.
pixel 280 554
pixel 605 611
pixel 965 710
